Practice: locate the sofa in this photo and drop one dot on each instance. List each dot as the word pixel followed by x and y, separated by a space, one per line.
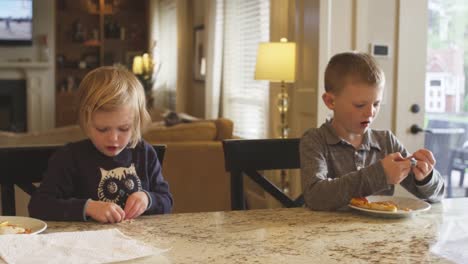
pixel 193 163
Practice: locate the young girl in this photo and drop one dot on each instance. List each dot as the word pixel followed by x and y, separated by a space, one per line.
pixel 114 175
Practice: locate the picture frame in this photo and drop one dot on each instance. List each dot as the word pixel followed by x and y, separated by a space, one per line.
pixel 199 58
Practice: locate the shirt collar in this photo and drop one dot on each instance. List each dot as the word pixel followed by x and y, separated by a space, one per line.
pixel 330 133
pixel 369 140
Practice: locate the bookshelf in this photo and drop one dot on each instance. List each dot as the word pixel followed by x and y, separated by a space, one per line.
pixel 90 34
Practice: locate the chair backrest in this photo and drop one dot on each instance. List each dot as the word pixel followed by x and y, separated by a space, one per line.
pixel 160 151
pixel 247 157
pixel 23 166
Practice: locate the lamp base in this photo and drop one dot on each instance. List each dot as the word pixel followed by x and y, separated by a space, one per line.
pixel 285 186
pixel 283 105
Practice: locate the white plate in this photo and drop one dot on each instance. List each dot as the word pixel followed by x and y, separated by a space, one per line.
pixel 416 206
pixel 34 224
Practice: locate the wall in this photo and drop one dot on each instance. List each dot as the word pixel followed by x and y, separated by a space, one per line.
pixel 196 104
pixel 354 25
pixel 184 54
pixel 304 95
pixel 43 23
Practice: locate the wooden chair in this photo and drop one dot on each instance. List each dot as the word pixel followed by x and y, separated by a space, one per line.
pixel 248 157
pixel 23 166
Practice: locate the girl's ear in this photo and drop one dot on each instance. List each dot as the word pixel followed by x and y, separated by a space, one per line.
pixel 329 100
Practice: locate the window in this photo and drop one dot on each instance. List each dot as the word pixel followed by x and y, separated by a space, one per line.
pixel 447 63
pixel 166 55
pixel 245 101
pixel 435 82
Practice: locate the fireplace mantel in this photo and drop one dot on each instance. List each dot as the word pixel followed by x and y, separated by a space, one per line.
pixel 40 92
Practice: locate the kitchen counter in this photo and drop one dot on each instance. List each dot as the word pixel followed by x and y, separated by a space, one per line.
pixel 297 235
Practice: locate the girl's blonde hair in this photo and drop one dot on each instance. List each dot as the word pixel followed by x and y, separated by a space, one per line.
pixel 109 88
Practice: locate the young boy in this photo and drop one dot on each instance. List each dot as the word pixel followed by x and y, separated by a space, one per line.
pixel 344 158
pixel 114 175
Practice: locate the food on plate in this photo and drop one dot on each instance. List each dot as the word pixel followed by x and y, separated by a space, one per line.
pixel 7 228
pixel 389 206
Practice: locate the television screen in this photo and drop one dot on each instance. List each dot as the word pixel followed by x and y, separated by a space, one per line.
pixel 16 22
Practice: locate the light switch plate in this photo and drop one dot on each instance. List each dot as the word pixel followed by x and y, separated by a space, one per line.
pixel 380 50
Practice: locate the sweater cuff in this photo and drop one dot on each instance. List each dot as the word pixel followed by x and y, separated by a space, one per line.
pixel 425 181
pixel 84 210
pixel 150 200
pixel 425 185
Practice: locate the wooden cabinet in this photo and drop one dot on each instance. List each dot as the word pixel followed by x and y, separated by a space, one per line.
pixel 93 33
pixel 65 109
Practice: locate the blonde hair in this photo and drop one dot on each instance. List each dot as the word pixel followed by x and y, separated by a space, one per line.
pixel 109 88
pixel 354 67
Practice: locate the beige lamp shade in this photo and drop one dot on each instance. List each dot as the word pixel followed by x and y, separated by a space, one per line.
pixel 276 62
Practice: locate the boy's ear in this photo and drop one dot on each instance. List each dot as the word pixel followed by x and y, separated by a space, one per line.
pixel 329 100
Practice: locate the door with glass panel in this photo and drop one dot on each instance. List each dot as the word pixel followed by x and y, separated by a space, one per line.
pixel 446 91
pixel 431 104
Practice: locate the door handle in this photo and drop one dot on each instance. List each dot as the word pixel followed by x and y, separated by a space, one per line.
pixel 415 129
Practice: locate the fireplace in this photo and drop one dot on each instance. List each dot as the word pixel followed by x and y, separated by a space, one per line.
pixel 36 112
pixel 13 105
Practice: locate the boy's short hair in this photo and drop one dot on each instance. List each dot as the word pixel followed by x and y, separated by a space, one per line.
pixel 109 88
pixel 352 67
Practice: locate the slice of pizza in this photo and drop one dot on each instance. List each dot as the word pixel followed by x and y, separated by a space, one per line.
pixel 362 202
pixel 359 202
pixel 7 228
pixel 384 206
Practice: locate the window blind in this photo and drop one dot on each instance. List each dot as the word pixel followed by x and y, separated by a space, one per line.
pixel 245 100
pixel 166 78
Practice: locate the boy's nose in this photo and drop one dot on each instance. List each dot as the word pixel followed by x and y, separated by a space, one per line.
pixel 369 111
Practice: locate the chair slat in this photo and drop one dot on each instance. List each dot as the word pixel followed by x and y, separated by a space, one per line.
pixel 272 189
pixel 253 155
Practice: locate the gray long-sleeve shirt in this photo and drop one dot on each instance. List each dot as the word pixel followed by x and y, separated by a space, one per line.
pixel 333 171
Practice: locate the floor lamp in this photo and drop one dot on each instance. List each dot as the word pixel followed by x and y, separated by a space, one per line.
pixel 276 62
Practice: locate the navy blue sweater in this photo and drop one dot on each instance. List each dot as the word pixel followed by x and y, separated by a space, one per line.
pixel 78 172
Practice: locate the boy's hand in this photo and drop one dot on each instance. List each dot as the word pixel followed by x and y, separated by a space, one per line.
pixel 425 162
pixel 396 167
pixel 105 212
pixel 136 204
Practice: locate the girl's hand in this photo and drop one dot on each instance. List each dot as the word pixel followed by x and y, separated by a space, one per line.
pixel 136 204
pixel 105 212
pixel 425 163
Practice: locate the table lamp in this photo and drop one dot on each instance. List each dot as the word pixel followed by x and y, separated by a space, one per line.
pixel 143 68
pixel 276 62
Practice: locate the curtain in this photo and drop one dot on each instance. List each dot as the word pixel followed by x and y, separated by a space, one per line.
pixel 245 100
pixel 164 38
pixel 214 30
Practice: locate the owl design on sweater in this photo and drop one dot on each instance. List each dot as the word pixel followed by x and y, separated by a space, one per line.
pixel 117 184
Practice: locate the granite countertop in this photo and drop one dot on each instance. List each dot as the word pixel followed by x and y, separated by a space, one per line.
pixel 294 235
